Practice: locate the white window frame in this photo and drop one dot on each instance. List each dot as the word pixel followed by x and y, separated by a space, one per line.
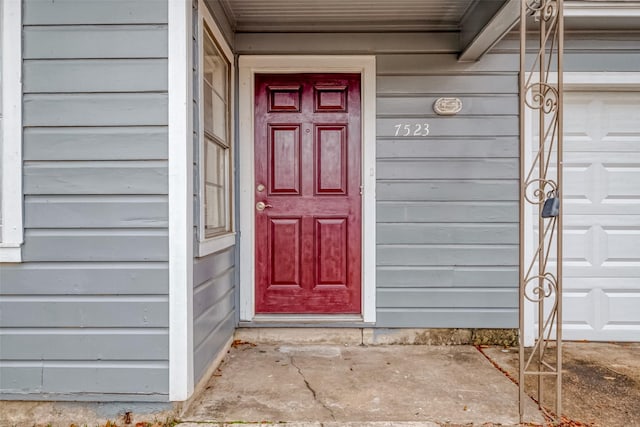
pixel 11 237
pixel 209 245
pixel 249 66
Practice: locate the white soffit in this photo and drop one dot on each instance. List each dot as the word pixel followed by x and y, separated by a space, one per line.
pixel 345 15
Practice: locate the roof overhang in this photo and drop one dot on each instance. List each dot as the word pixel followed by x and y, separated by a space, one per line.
pixel 473 27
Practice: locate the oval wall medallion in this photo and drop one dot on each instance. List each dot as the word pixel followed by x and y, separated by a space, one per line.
pixel 447 106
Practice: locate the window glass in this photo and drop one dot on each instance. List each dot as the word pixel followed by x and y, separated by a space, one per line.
pixel 216 145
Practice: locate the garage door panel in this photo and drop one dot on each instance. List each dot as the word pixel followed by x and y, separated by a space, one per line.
pixel 623 244
pixel 623 307
pixel 602 121
pixel 579 307
pixel 621 181
pixel 601 214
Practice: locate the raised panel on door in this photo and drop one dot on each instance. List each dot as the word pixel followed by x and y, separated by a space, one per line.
pixel 331 248
pixel 331 159
pixel 284 159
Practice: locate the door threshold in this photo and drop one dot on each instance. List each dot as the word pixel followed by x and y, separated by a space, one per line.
pixel 306 318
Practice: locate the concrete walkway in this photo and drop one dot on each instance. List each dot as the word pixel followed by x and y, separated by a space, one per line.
pixel 354 385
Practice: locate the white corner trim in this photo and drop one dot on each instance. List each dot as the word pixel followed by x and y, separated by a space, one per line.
pixel 181 374
pixel 11 201
pixel 573 81
pixel 248 67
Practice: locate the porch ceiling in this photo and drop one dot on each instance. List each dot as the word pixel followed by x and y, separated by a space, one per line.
pixel 345 15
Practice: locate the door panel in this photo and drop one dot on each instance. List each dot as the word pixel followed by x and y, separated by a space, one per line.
pixel 307 168
pixel 284 158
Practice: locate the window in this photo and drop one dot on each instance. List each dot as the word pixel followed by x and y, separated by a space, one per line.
pixel 10 132
pixel 215 138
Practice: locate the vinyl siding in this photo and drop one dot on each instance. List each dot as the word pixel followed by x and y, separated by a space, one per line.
pixel 214 275
pixel 85 316
pixel 447 203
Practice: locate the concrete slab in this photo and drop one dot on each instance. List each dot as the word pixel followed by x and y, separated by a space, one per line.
pixel 601 384
pixel 360 385
pixel 319 424
pixel 275 336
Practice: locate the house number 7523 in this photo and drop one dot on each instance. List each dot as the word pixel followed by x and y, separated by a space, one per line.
pixel 418 129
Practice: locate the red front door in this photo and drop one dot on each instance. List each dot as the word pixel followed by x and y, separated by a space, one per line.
pixel 307 193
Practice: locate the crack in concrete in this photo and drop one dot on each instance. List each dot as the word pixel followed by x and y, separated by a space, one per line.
pixel 312 390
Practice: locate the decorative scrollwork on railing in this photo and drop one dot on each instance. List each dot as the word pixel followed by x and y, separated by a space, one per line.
pixel 546 285
pixel 538 194
pixel 541 96
pixel 547 9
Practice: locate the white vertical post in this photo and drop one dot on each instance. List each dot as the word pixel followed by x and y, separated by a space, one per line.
pixel 11 202
pixel 181 374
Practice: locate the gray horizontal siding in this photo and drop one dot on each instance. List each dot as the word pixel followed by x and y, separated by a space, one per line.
pixel 55 379
pixel 422 276
pixel 132 177
pixel 470 127
pixel 94 311
pixel 445 297
pixel 448 317
pixel 95 109
pixel 346 43
pixel 67 12
pixel 403 64
pixel 453 254
pixel 137 211
pixel 96 245
pixel 95 41
pixel 449 147
pixel 442 190
pixel 438 233
pixel 447 202
pixel 589 51
pixel 423 105
pixel 85 278
pixel 95 143
pixel 95 75
pixel 213 306
pixel 478 212
pixel 86 315
pixel 430 84
pixel 416 168
pixel 85 344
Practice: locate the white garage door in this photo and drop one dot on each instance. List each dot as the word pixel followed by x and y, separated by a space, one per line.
pixel 602 216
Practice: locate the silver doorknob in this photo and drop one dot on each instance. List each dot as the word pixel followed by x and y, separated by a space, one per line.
pixel 260 206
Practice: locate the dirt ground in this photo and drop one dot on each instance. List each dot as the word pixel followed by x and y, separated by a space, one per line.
pixel 601 384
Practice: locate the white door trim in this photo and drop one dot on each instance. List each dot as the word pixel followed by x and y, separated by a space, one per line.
pixel 573 81
pixel 248 67
pixel 180 152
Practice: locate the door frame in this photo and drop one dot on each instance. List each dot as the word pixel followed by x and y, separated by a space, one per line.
pixel 248 66
pixel 574 81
